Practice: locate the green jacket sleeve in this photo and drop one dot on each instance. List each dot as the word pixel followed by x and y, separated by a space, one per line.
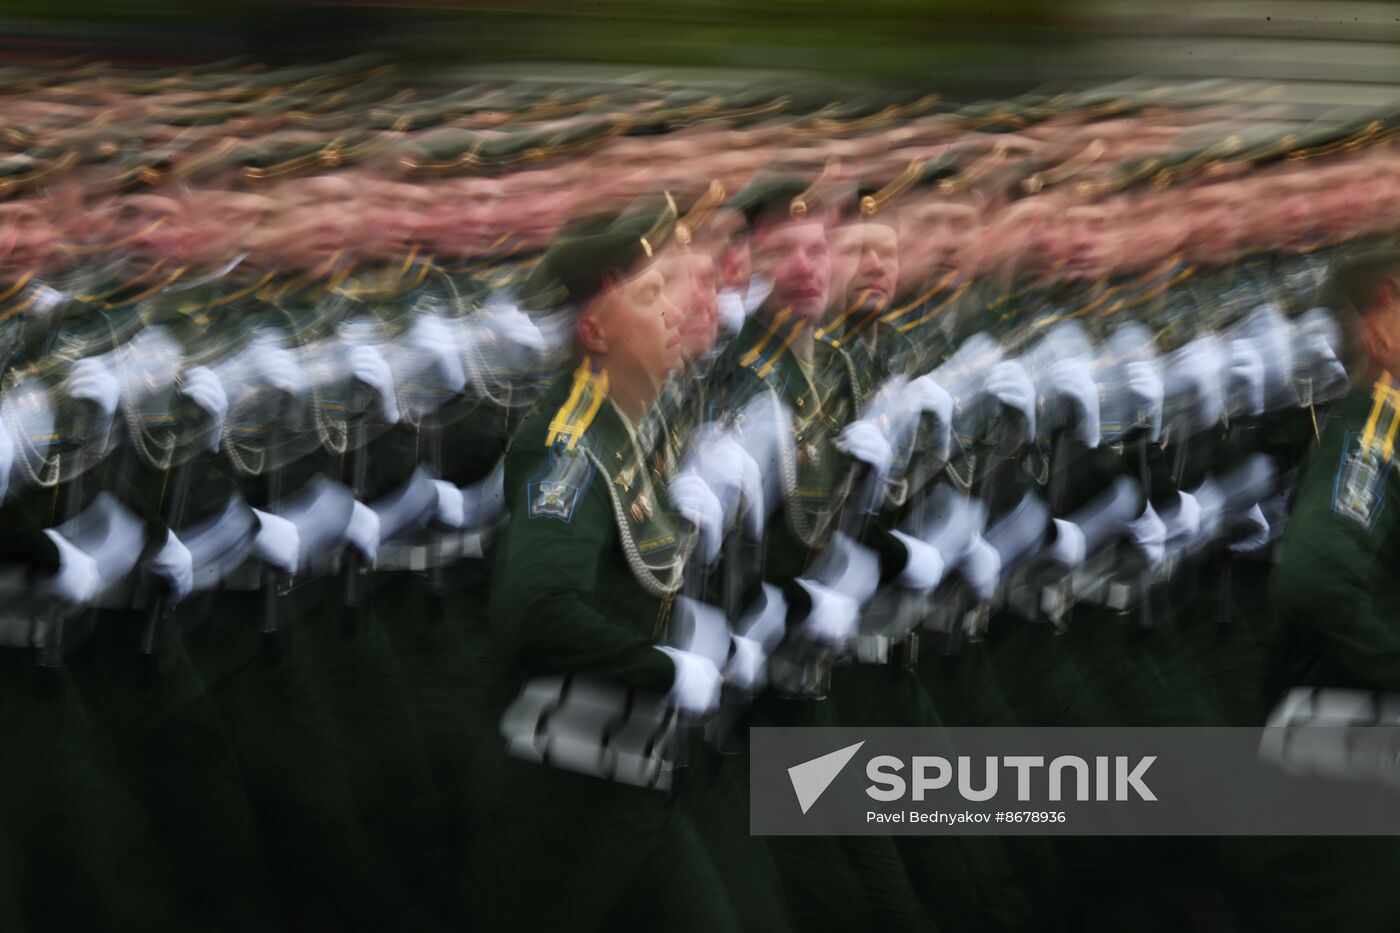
pixel 546 600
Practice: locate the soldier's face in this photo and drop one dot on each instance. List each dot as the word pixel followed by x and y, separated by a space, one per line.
pixel 152 229
pixel 1088 235
pixel 939 238
pixel 226 220
pixel 640 327
pixel 736 265
pixel 26 238
pixel 1218 215
pixel 795 257
pixel 866 262
pixel 690 286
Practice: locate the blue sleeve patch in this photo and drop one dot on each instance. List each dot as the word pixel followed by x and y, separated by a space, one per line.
pixel 558 488
pixel 1358 491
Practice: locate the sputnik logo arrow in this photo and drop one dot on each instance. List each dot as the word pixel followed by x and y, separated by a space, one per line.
pixel 811 778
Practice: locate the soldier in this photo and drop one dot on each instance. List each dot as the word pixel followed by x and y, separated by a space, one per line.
pixel 585 575
pixel 880 687
pixel 1334 594
pixel 781 352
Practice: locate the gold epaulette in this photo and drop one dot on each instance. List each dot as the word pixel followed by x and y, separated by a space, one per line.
pixel 571 422
pixel 1385 395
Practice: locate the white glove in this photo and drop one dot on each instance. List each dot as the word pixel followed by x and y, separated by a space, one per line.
pixel 450 510
pixel 732 474
pixel 925 396
pixel 692 497
pixel 866 443
pixel 696 688
pixel 1146 390
pixel 174 564
pixel 924 568
pixel 1149 535
pixel 1009 384
pixel 433 341
pixel 1314 354
pixel 747 666
pixel 93 381
pixel 1212 505
pixel 1245 378
pixel 77 580
pixel 1252 531
pixel 278 542
pixel 204 389
pixel 1198 366
pixel 1184 525
pixel 279 369
pixel 980 565
pixel 369 366
pixel 856 570
pixel 1069 548
pixel 1070 381
pixel 514 327
pixel 363 531
pixel 765 621
pixel 834 616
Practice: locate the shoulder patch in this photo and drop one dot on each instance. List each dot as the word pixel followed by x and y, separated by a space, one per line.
pixel 1358 491
pixel 558 488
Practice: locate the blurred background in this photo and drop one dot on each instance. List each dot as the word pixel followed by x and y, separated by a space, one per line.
pixel 1305 52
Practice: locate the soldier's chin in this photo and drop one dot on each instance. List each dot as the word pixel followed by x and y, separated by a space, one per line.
pixel 808 308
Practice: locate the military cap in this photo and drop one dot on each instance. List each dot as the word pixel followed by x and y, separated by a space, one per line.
pixel 1360 274
pixel 874 203
pixel 778 198
pixel 20 173
pixel 509 148
pixel 14 173
pixel 751 106
pixel 144 171
pixel 406 118
pixel 100 145
pixel 442 150
pixel 595 250
pixel 994 116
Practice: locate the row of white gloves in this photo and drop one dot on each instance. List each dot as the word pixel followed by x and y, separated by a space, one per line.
pixel 1199 519
pixel 433 352
pixel 78 581
pixel 1226 378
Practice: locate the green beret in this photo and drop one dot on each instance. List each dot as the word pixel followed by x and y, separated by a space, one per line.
pixel 146 170
pixel 594 250
pixel 441 150
pixel 776 198
pixel 1360 273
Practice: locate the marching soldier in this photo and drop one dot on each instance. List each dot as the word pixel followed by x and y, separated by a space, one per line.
pixel 781 353
pixel 1334 594
pixel 586 573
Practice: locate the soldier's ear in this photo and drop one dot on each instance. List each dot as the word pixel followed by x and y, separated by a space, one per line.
pixel 1388 292
pixel 592 332
pixel 1376 339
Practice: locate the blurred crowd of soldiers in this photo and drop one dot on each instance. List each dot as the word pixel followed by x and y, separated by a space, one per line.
pixel 411 501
